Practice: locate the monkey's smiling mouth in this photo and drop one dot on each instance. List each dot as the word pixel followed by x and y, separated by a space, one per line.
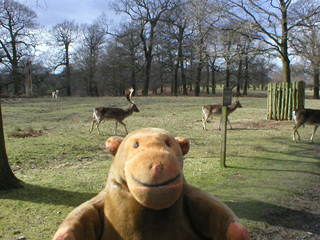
pixel 156 185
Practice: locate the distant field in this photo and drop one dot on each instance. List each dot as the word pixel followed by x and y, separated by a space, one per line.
pixel 267 182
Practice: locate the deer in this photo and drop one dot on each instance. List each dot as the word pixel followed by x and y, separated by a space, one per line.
pixel 55 94
pixel 216 110
pixel 305 116
pixel 118 114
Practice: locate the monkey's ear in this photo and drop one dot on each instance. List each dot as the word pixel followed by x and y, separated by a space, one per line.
pixel 112 144
pixel 184 144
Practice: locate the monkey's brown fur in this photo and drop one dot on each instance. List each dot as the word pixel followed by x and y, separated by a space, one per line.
pixel 147 197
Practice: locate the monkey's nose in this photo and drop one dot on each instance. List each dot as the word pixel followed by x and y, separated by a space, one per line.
pixel 156 169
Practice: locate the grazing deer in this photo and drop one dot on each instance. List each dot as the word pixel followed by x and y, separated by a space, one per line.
pixel 117 114
pixel 305 116
pixel 216 110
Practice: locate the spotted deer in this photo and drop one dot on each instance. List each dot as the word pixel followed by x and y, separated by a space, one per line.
pixel 118 114
pixel 305 116
pixel 216 110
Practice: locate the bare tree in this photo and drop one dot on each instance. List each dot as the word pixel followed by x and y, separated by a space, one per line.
pixel 7 179
pixel 203 15
pixel 115 68
pixel 16 23
pixel 227 40
pixel 128 39
pixel 148 14
pixel 273 20
pixel 65 34
pixel 306 41
pixel 90 52
pixel 212 57
pixel 177 24
pixel 245 52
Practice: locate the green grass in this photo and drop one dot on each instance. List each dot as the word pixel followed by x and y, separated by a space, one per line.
pixel 66 165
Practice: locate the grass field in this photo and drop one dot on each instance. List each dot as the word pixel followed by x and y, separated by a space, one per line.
pixel 271 183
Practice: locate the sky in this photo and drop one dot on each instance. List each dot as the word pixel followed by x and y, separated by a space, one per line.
pixel 51 12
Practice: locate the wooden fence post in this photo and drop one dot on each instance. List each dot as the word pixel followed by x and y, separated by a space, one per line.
pixel 226 101
pixel 283 98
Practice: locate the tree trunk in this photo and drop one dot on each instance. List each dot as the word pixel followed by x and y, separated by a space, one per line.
pixel 239 77
pixel 246 76
pixel 208 80
pixel 147 79
pixel 95 88
pixel 7 179
pixel 213 76
pixel 198 79
pixel 286 69
pixel 133 74
pixel 68 73
pixel 147 47
pixel 15 62
pixel 16 80
pixel 213 79
pixel 91 71
pixel 228 74
pixel 284 45
pixel 175 78
pixel 179 62
pixel 28 73
pixel 183 78
pixel 316 82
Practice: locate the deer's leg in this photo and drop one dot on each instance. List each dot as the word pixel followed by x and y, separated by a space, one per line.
pixel 122 123
pixel 115 130
pixel 97 125
pixel 229 122
pixel 314 132
pixel 295 131
pixel 204 121
pixel 92 124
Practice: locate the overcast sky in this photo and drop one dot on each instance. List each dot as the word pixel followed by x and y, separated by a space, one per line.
pixel 52 12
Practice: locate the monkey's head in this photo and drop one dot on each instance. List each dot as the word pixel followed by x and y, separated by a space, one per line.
pixel 149 163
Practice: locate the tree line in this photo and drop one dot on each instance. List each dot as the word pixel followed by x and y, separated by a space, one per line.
pixel 173 46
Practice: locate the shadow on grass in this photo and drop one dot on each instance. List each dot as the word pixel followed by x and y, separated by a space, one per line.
pixel 301 149
pixel 40 194
pixel 275 170
pixel 251 210
pixel 297 154
pixel 277 216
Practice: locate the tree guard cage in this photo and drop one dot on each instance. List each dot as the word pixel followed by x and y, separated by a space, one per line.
pixel 283 98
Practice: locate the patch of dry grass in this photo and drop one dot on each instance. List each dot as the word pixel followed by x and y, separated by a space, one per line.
pixel 25 133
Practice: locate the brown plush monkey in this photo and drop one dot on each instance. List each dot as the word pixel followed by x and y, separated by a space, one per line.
pixel 147 197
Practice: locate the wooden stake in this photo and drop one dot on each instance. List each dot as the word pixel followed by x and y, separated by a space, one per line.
pixel 223 137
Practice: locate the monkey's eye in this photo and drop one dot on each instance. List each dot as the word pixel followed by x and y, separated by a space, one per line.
pixel 168 144
pixel 136 145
